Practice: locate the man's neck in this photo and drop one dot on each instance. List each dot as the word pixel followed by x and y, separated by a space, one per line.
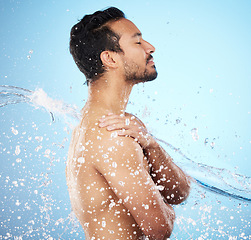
pixel 110 96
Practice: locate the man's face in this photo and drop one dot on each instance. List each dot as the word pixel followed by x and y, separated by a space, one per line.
pixel 138 64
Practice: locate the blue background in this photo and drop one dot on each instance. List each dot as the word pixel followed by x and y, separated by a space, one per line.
pixel 203 56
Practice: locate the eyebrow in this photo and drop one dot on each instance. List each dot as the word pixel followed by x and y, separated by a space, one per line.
pixel 137 34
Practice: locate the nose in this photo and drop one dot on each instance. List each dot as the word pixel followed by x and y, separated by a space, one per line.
pixel 149 48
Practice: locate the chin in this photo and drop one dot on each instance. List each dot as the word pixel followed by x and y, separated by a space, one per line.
pixel 151 76
pixel 147 76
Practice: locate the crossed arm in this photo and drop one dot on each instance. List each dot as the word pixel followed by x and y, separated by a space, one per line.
pixel 127 177
pixel 171 181
pixel 146 196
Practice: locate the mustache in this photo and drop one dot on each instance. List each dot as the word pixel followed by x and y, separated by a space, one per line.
pixel 149 58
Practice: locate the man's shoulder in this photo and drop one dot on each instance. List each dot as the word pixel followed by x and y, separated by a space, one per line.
pixel 98 140
pixel 96 143
pixel 108 140
pixel 135 117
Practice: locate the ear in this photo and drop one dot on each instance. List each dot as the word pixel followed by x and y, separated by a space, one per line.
pixel 109 59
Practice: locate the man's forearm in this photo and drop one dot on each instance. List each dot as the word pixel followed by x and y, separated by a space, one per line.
pixel 172 182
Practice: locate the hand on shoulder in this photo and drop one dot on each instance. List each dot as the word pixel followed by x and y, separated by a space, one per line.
pixel 127 126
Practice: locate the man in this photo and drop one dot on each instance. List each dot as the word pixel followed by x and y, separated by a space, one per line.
pixel 121 182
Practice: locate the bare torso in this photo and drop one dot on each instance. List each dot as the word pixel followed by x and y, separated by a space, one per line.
pixel 100 212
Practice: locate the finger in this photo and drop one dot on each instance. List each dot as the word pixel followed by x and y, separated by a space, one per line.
pixel 112 122
pixel 109 117
pixel 127 133
pixel 115 119
pixel 118 126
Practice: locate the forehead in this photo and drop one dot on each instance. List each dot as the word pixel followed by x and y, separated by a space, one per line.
pixel 125 28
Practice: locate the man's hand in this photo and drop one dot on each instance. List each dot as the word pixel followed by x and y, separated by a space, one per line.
pixel 128 126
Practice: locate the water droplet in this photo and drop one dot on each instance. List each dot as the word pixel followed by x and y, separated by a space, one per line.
pixel 212 144
pixel 17 150
pixel 14 131
pixel 160 187
pixel 39 138
pixel 146 206
pixel 121 183
pixel 103 223
pixel 81 160
pixel 38 148
pixel 112 204
pixel 194 133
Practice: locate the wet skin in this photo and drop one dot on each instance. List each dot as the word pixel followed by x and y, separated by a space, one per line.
pixel 110 180
pixel 98 196
pixel 121 182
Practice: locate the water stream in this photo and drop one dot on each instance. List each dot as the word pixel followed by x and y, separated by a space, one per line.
pixel 218 180
pixel 222 182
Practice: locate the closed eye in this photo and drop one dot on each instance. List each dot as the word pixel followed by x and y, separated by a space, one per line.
pixel 138 43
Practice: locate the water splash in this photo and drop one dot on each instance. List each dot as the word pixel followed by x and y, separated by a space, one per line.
pixel 13 95
pixel 39 99
pixel 217 180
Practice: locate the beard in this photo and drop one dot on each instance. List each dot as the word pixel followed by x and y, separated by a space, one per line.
pixel 134 74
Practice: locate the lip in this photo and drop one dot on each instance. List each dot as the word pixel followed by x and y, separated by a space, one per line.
pixel 150 61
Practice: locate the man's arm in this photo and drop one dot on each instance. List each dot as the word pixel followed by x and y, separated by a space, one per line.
pixel 172 182
pixel 121 164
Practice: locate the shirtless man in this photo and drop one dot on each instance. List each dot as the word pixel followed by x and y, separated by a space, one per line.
pixel 121 181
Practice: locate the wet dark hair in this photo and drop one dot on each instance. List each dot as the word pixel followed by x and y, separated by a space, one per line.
pixel 90 37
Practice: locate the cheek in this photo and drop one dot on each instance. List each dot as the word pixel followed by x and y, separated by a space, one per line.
pixel 136 52
pixel 135 56
pixel 139 57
